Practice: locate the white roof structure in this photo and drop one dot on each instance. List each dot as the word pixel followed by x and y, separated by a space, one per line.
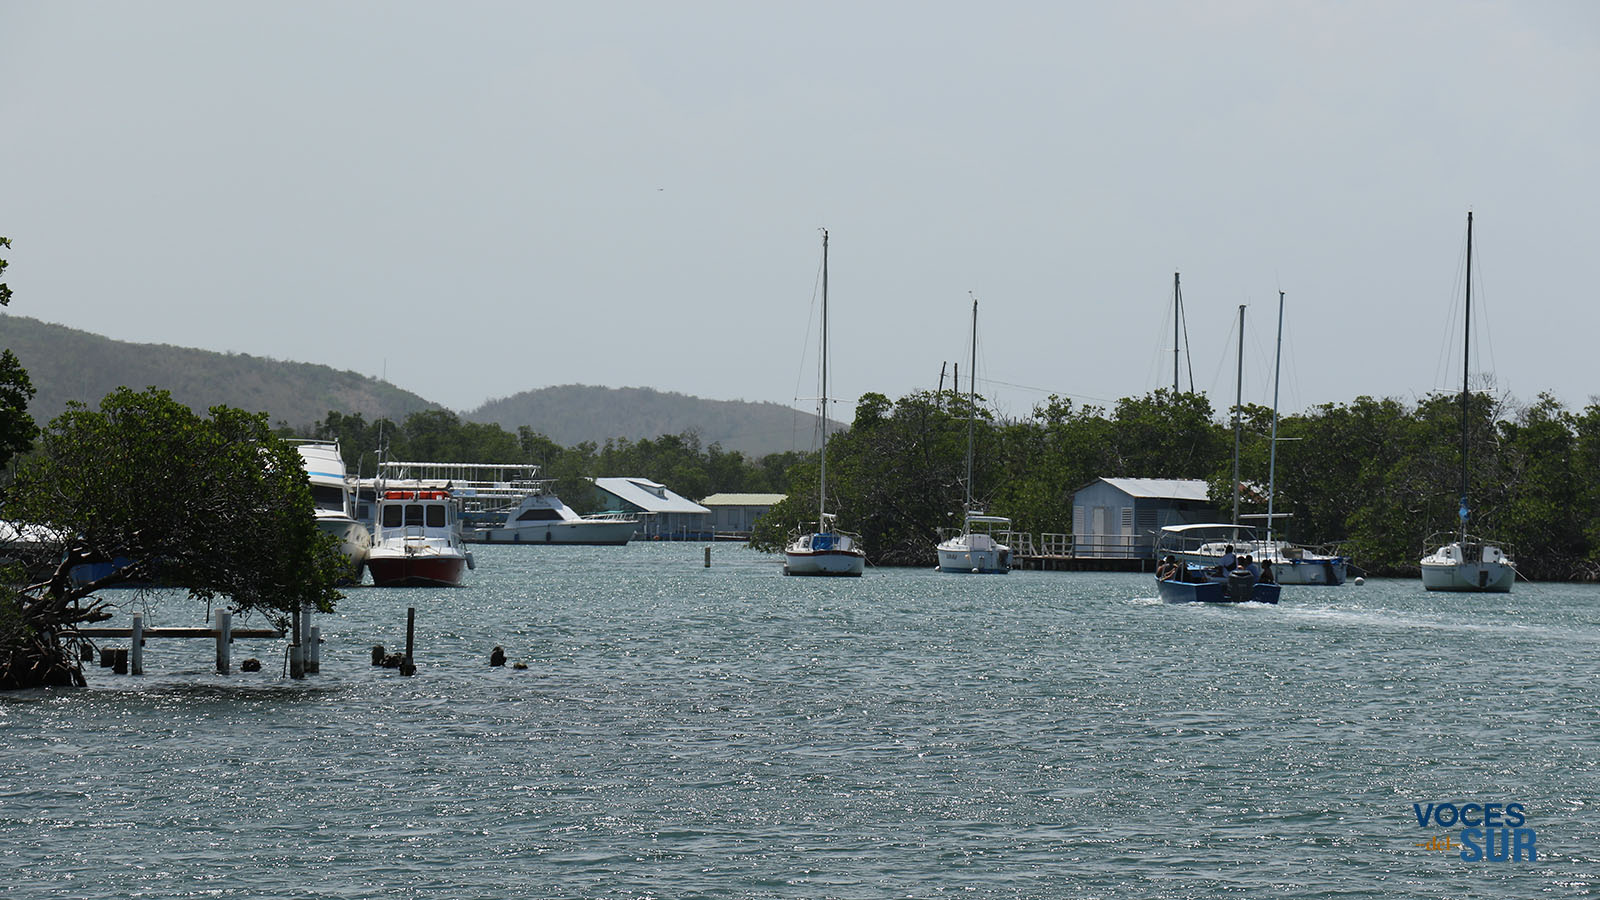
pixel 742 499
pixel 1161 488
pixel 648 495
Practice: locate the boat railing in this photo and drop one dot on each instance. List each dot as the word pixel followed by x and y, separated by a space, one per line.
pixel 1444 538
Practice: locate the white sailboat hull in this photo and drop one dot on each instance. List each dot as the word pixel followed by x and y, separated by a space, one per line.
pixel 1491 578
pixel 1476 569
pixel 984 556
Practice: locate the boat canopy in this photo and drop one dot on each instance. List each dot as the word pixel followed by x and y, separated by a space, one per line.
pixel 1209 526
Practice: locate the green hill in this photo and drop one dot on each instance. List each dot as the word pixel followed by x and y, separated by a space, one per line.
pixel 573 413
pixel 66 364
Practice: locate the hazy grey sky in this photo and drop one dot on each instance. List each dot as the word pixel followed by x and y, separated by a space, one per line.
pixel 482 198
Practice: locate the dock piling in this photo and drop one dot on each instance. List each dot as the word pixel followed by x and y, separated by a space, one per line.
pixel 136 648
pixel 224 642
pixel 409 665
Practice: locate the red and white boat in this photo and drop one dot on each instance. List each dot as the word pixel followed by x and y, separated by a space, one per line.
pixel 416 540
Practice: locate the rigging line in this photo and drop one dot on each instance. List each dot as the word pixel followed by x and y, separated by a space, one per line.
pixel 1188 357
pixel 811 316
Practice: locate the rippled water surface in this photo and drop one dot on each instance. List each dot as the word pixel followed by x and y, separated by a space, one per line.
pixel 684 731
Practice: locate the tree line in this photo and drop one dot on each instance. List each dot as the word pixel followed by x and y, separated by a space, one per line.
pixel 1378 476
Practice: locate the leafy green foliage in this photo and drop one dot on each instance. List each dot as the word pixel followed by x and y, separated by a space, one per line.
pixel 216 505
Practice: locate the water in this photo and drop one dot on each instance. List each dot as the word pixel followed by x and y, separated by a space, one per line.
pixel 727 732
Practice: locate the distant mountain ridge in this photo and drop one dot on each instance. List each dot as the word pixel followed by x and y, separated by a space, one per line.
pixel 67 364
pixel 573 413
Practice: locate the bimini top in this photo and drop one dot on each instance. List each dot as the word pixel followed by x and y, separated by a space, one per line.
pixel 1209 526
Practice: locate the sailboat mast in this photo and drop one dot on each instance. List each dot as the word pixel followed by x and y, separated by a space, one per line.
pixel 822 404
pixel 1466 348
pixel 972 399
pixel 1238 399
pixel 1177 310
pixel 1272 455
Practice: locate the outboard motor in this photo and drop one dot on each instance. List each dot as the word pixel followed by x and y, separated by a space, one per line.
pixel 1241 584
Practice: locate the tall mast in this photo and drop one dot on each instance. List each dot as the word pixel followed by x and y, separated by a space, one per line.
pixel 1177 310
pixel 972 399
pixel 1272 455
pixel 822 474
pixel 1238 398
pixel 1466 348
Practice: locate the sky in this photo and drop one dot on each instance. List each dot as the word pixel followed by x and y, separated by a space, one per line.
pixel 474 199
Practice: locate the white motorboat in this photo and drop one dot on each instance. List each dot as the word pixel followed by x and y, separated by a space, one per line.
pixel 1467 563
pixel 826 551
pixel 976 549
pixel 416 540
pixel 541 518
pixel 333 497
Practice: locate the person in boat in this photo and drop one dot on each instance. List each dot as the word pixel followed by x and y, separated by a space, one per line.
pixel 1168 570
pixel 1251 566
pixel 1266 573
pixel 1229 560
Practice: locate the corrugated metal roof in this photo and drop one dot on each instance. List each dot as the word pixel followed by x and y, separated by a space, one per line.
pixel 1161 488
pixel 742 499
pixel 648 495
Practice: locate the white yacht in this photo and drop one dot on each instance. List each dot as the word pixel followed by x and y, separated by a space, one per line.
pixel 333 496
pixel 541 518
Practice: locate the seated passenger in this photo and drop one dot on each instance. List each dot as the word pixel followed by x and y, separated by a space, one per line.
pixel 1167 570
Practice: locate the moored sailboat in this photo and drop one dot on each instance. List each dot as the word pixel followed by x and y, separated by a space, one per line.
pixel 826 551
pixel 1468 563
pixel 975 549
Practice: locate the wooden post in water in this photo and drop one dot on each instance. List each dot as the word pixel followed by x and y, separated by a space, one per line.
pixel 136 648
pixel 224 642
pixel 297 658
pixel 708 557
pixel 313 648
pixel 409 666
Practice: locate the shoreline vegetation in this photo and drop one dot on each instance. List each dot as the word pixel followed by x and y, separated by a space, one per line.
pixel 1377 476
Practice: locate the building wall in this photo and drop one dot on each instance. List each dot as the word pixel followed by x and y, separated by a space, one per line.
pixel 1109 523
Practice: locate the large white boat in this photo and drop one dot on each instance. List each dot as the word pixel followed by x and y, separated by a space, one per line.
pixel 976 549
pixel 541 518
pixel 416 539
pixel 1467 563
pixel 826 551
pixel 333 496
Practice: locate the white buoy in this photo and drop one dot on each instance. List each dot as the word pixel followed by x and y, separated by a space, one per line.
pixel 1360 580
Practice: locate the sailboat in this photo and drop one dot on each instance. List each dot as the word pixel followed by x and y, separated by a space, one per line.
pixel 826 551
pixel 975 549
pixel 1467 563
pixel 1290 564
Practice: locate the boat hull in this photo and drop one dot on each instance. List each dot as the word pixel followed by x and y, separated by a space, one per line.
pixel 1216 592
pixel 596 534
pixel 965 560
pixel 355 542
pixel 1478 578
pixel 841 563
pixel 416 570
pixel 1329 572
